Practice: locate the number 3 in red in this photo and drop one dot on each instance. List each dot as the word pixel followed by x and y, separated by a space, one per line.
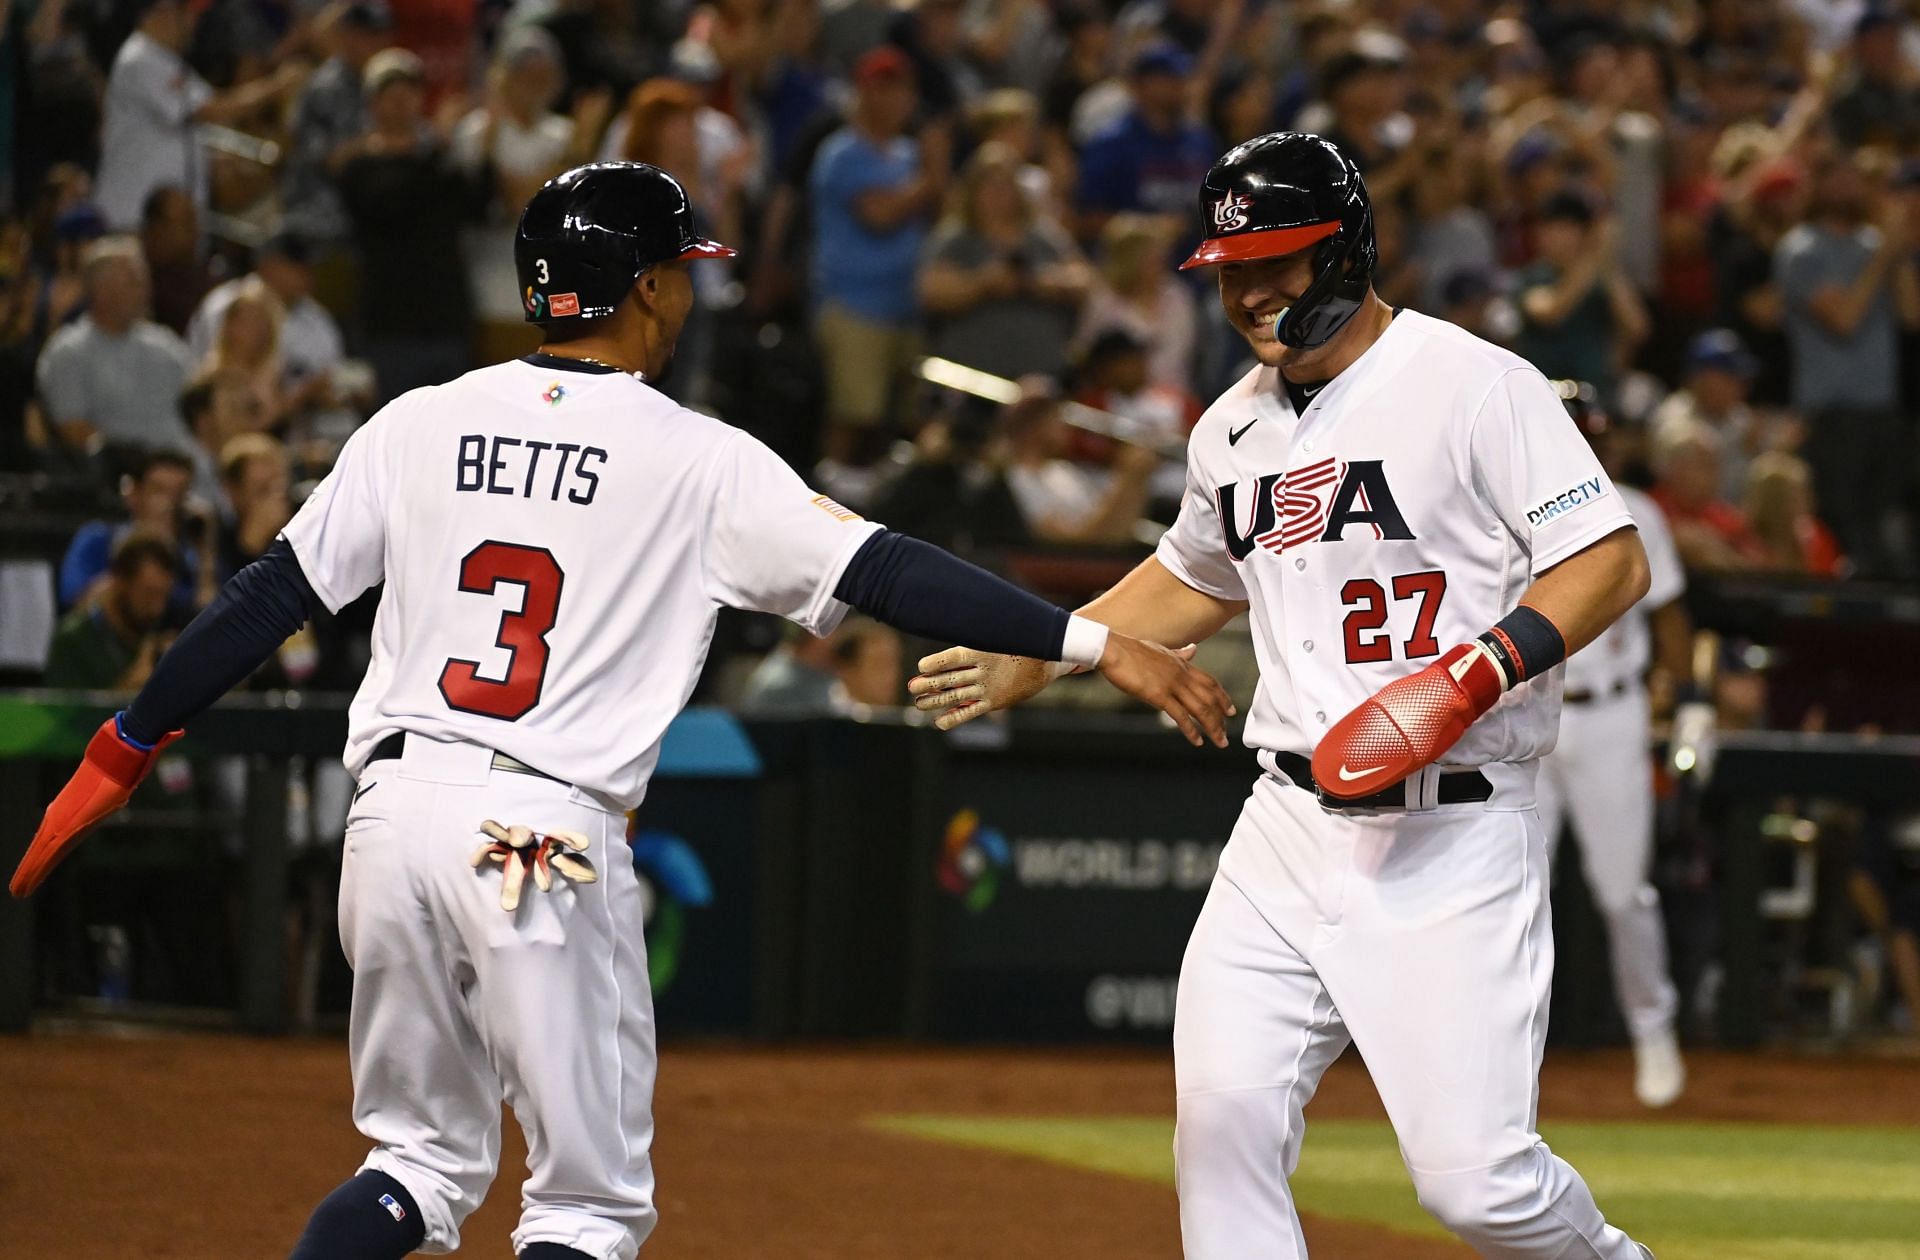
pixel 522 633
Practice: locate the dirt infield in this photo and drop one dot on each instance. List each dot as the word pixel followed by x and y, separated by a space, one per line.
pixel 215 1148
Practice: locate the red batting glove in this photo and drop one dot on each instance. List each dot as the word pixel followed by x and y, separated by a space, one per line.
pixel 112 768
pixel 1407 724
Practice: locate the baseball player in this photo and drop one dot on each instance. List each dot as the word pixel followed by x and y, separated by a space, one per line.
pixel 1600 776
pixel 555 536
pixel 1421 538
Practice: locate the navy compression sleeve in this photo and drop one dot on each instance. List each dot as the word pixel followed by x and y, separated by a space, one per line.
pixel 917 587
pixel 255 612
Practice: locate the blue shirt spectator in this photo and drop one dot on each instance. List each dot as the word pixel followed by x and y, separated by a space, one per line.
pixel 869 270
pixel 155 494
pixel 1154 157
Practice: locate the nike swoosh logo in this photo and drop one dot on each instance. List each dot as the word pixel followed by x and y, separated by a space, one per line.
pixel 1346 777
pixel 362 792
pixel 1234 435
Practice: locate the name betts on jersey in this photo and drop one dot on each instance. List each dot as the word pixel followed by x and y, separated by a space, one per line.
pixel 1406 510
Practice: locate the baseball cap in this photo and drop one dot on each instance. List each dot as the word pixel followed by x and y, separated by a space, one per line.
pixel 1779 177
pixel 367 15
pixel 1721 350
pixel 389 64
pixel 1168 59
pixel 878 65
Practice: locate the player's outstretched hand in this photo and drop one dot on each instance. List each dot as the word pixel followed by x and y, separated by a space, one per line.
pixel 961 684
pixel 112 767
pixel 1167 679
pixel 1406 724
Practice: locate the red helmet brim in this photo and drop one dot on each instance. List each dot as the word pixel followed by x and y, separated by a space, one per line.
pixel 1271 243
pixel 708 249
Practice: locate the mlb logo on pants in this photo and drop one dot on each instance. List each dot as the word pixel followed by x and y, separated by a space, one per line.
pixel 393 1207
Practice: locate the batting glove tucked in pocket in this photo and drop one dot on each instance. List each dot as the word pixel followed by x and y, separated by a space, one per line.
pixel 519 849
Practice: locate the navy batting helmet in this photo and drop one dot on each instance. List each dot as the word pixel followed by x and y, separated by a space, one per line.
pixel 589 233
pixel 1280 193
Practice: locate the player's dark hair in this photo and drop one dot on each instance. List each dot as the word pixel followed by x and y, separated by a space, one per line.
pixel 137 549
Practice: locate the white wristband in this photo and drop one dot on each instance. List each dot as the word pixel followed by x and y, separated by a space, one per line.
pixel 1085 643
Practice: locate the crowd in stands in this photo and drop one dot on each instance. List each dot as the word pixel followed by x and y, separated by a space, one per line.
pixel 235 229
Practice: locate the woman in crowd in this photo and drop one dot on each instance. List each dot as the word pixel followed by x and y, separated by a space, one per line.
pixel 1002 282
pixel 248 343
pixel 1134 291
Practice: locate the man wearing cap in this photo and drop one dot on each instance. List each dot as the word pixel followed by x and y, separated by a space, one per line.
pixel 154 103
pixel 1713 399
pixel 1580 315
pixel 1150 159
pixel 329 113
pixel 1879 105
pixel 408 202
pixel 875 191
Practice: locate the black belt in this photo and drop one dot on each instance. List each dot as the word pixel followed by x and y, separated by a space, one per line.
pixel 390 748
pixel 1582 695
pixel 1456 788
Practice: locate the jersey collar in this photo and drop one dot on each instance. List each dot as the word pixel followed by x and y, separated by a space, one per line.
pixel 563 364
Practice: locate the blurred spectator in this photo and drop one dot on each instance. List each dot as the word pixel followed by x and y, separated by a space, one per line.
pixel 154 101
pixel 254 472
pixel 1084 67
pixel 669 124
pixel 408 203
pixel 1879 102
pixel 114 374
pixel 1471 300
pixel 1580 315
pixel 1060 500
pixel 311 346
pixel 1153 158
pixel 509 146
pixel 1137 292
pixel 1713 398
pixel 1363 92
pixel 112 641
pixel 328 115
pixel 170 240
pixel 874 191
pixel 1764 199
pixel 1779 501
pixel 1451 233
pixel 1113 378
pixel 858 665
pixel 247 342
pixel 1835 277
pixel 155 495
pixel 933 37
pixel 1709 532
pixel 218 407
pixel 1011 117
pixel 63 285
pixel 1002 283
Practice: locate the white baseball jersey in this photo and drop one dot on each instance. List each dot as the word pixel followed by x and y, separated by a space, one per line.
pixel 1408 508
pixel 556 541
pixel 1624 649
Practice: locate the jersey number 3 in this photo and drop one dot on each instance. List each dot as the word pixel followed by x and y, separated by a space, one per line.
pixel 1367 642
pixel 522 633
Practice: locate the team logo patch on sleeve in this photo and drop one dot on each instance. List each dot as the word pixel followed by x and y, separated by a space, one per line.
pixel 834 510
pixel 1571 499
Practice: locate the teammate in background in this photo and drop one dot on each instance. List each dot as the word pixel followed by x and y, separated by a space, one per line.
pixel 1383 491
pixel 556 537
pixel 1599 775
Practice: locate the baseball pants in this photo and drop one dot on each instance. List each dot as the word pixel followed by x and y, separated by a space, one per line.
pixel 1423 939
pixel 1599 776
pixel 459 1005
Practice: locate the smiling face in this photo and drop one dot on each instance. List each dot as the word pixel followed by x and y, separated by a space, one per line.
pixel 1255 291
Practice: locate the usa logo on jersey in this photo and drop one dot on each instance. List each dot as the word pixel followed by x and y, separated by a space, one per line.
pixel 1313 503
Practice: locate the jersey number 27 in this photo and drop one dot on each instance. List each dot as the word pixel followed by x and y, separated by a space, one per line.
pixel 522 633
pixel 1364 630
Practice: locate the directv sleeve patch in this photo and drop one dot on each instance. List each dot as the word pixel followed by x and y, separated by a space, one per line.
pixel 1566 501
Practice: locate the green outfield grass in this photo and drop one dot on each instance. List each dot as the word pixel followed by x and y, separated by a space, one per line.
pixel 1690 1191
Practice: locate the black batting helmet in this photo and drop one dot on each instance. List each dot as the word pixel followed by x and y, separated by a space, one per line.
pixel 1283 192
pixel 589 233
